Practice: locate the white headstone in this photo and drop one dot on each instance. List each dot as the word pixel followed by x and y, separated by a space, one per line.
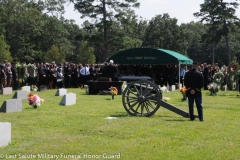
pixel 12 105
pixel 20 95
pixel 173 88
pixel 26 88
pixel 61 92
pixel 5 133
pixel 180 86
pixel 7 90
pixel 68 99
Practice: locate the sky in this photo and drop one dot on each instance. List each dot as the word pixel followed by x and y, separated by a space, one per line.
pixel 180 9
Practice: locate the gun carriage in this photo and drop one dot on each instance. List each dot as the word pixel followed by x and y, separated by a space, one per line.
pixel 142 97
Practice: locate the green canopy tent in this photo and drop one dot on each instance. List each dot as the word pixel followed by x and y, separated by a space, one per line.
pixel 150 56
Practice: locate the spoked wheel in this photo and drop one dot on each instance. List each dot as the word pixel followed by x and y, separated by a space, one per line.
pixel 141 98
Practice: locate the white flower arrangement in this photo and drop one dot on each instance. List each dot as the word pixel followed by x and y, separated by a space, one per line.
pixel 124 85
pixel 164 89
pixel 31 70
pixel 213 88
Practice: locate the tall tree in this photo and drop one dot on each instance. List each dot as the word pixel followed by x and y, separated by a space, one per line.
pixel 191 41
pixel 2 17
pixel 4 51
pixel 162 32
pixel 75 36
pixel 126 32
pixel 86 54
pixel 53 54
pixel 220 16
pixel 102 11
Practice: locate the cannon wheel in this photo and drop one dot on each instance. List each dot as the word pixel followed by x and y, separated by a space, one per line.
pixel 141 98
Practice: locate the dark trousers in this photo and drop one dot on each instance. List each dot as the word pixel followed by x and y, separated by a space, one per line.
pixel 67 80
pixel 198 102
pixel 60 84
pixel 41 81
pixel 205 84
pixel 85 79
pixel 14 83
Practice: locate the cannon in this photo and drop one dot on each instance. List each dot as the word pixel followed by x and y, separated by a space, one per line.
pixel 142 97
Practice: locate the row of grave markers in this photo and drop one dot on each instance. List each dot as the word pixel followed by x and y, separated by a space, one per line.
pixel 15 105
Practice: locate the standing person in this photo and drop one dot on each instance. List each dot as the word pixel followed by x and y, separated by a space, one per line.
pixel 9 75
pixel 59 78
pixel 193 81
pixel 41 75
pixel 110 70
pixel 80 78
pixel 67 74
pixel 85 73
pixel 51 76
pixel 92 72
pixel 55 72
pixel 3 75
pixel 205 76
pixel 74 76
pixel 182 74
pixel 14 76
pixel 225 81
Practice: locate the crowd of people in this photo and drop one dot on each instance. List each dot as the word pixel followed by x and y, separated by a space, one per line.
pixel 65 75
pixel 70 75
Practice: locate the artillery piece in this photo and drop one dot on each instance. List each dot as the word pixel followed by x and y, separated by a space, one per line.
pixel 142 97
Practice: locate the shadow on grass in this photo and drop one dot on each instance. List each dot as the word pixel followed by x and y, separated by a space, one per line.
pixel 120 114
pixel 171 118
pixel 30 107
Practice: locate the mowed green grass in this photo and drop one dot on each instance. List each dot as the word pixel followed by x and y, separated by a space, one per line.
pixel 82 129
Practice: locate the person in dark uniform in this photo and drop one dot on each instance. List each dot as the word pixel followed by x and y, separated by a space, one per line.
pixel 110 70
pixel 205 76
pixel 41 74
pixel 14 76
pixel 193 81
pixel 67 74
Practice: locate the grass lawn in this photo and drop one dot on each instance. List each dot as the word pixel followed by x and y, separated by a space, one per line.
pixel 81 131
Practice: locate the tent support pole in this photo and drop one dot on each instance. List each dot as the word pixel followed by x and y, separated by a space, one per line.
pixel 179 65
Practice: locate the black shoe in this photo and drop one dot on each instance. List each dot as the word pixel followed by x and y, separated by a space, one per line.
pixel 201 120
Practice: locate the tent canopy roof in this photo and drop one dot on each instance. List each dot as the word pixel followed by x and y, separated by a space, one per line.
pixel 149 56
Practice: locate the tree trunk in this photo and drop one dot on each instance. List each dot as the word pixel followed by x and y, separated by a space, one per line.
pixel 105 30
pixel 226 38
pixel 213 53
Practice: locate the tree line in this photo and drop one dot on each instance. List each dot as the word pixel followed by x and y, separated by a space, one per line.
pixel 36 31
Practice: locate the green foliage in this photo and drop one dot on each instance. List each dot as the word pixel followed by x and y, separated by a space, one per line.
pixel 83 128
pixel 2 18
pixel 30 32
pixel 104 12
pixel 128 42
pixel 191 42
pixel 4 51
pixel 54 54
pixel 31 28
pixel 162 32
pixel 86 54
pixel 220 17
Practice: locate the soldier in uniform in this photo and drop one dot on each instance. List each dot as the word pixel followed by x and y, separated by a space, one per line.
pixel 193 81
